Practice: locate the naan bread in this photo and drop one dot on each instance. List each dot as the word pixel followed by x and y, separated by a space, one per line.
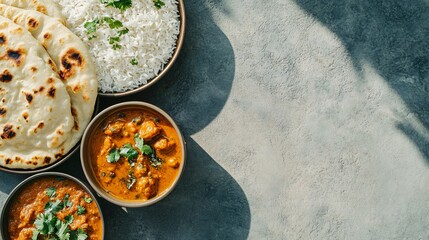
pixel 75 66
pixel 35 117
pixel 47 7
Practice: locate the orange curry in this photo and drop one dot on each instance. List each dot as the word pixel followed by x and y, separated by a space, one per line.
pixel 51 208
pixel 138 154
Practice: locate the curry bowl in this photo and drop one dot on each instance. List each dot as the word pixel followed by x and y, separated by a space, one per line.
pixel 168 65
pixel 53 205
pixel 133 154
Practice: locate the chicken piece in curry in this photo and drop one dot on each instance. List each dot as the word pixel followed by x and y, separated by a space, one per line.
pixel 138 155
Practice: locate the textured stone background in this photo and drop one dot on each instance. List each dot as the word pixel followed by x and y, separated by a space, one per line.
pixel 305 119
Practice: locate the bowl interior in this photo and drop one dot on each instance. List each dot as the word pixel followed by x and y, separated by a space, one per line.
pixel 15 192
pixel 167 66
pixel 88 155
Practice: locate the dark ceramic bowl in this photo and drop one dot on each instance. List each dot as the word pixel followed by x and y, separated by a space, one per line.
pixel 56 163
pixel 12 196
pixel 168 65
pixel 87 157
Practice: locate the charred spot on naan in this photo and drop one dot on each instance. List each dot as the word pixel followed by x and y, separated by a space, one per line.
pixel 41 8
pixel 58 156
pixel 28 97
pixel 25 116
pixel 74 114
pixel 41 89
pixel 2 39
pixel 71 62
pixel 52 64
pixel 47 36
pixel 33 69
pixel 8 132
pixel 6 76
pixel 47 160
pixel 3 111
pixel 16 56
pixel 40 125
pixel 32 23
pixel 51 92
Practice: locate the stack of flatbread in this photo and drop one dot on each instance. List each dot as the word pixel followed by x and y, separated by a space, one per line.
pixel 48 85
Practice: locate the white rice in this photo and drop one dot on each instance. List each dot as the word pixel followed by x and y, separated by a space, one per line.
pixel 151 40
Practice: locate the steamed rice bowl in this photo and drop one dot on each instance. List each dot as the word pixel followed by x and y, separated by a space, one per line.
pixel 144 49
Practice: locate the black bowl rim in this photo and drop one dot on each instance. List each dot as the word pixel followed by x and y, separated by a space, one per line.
pixel 16 190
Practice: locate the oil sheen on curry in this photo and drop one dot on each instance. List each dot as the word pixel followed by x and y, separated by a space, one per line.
pixel 138 154
pixel 54 208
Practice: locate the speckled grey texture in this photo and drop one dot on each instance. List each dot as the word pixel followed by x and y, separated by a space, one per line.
pixel 305 119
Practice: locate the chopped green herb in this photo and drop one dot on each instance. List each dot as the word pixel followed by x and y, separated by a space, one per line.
pixel 54 207
pixel 50 191
pixel 144 148
pixel 130 181
pixel 134 61
pixel 78 235
pixel 129 152
pixel 113 23
pixel 116 46
pixel 81 210
pixel 87 199
pixel 69 219
pixel 147 150
pixel 158 3
pixel 123 31
pixel 91 28
pixel 67 203
pixel 114 42
pixel 139 141
pixel 155 161
pixel 119 4
pixel 113 155
pixel 48 226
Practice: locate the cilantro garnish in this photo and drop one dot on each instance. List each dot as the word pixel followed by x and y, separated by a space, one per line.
pixel 134 61
pixel 114 41
pixel 158 3
pixel 144 148
pixel 113 155
pixel 129 152
pixel 113 23
pixel 123 31
pixel 155 161
pixel 81 210
pixel 48 226
pixel 54 207
pixel 91 28
pixel 87 199
pixel 119 4
pixel 67 203
pixel 50 191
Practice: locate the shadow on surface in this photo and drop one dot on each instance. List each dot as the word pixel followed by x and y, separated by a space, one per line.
pixel 391 35
pixel 195 90
pixel 207 202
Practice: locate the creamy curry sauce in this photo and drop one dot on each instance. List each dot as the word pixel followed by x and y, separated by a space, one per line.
pixel 34 198
pixel 137 154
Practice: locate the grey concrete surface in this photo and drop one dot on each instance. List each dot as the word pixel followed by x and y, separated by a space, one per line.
pixel 305 119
